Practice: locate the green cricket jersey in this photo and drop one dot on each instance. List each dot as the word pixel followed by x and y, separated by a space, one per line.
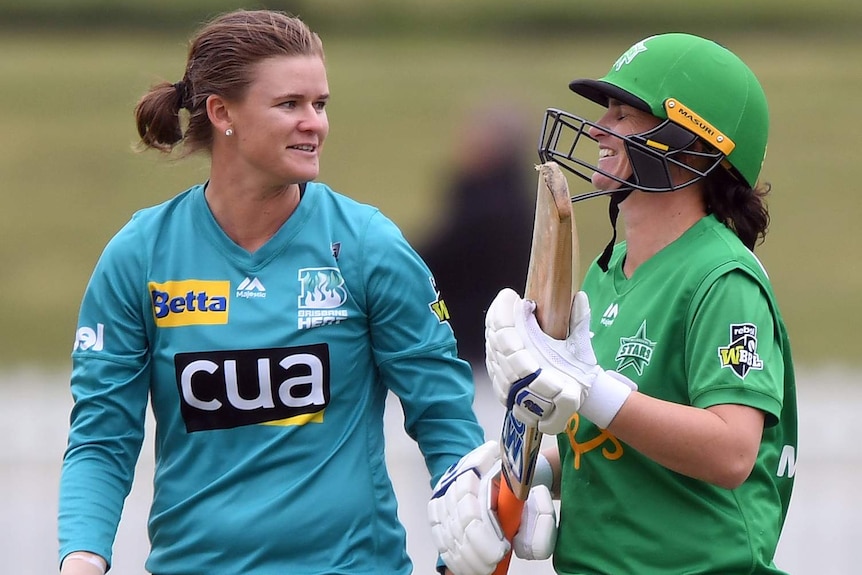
pixel 697 324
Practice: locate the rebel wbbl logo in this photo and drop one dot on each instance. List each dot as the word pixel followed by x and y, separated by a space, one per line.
pixel 741 354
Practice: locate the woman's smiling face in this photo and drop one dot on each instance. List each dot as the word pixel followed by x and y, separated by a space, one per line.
pixel 624 120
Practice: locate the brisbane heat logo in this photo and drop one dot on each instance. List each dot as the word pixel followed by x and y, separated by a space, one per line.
pixel 321 293
pixel 741 354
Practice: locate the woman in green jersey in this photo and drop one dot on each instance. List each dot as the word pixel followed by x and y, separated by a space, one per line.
pixel 674 403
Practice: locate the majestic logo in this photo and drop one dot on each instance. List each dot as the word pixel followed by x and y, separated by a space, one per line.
pixel 635 351
pixel 610 314
pixel 250 288
pixel 438 306
pixel 741 354
pixel 190 302
pixel 630 55
pixel 226 389
pixel 321 292
pixel 87 338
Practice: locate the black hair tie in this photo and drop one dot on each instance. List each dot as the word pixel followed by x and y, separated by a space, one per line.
pixel 181 88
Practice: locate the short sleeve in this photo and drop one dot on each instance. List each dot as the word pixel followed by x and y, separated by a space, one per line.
pixel 733 352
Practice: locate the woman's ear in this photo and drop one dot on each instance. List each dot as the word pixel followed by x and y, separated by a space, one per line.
pixel 218 112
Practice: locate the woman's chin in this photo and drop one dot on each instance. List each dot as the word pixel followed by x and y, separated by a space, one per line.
pixel 603 183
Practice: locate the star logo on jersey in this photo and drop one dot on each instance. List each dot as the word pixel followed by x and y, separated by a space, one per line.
pixel 741 354
pixel 635 351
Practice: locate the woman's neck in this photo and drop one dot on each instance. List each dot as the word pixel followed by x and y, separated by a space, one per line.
pixel 250 217
pixel 655 220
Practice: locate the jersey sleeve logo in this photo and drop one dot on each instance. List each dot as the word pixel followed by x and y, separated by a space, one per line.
pixel 438 306
pixel 741 354
pixel 87 338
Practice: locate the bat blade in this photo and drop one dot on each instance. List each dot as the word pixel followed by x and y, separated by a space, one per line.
pixel 553 257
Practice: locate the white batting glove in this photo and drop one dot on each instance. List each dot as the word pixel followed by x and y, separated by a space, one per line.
pixel 537 534
pixel 544 380
pixel 83 563
pixel 464 524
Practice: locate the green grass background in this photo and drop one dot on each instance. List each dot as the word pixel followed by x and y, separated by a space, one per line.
pixel 70 178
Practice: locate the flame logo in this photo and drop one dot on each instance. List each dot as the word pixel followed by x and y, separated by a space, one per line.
pixel 321 288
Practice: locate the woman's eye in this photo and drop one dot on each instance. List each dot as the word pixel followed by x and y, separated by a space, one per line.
pixel 319 106
pixel 290 104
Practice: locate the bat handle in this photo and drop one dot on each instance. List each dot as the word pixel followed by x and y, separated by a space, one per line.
pixel 509 509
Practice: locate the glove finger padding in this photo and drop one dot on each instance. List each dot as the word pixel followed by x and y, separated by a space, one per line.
pixel 506 358
pixel 464 527
pixel 579 341
pixel 537 534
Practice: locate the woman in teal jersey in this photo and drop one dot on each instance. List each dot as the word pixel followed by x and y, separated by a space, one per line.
pixel 674 403
pixel 264 318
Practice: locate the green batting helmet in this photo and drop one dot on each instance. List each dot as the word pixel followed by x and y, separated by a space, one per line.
pixel 692 83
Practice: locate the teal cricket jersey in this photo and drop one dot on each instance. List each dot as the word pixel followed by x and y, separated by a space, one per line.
pixel 696 324
pixel 267 375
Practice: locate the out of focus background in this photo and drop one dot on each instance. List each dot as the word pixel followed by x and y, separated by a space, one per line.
pixel 431 102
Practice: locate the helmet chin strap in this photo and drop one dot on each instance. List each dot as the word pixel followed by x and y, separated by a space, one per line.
pixel 613 213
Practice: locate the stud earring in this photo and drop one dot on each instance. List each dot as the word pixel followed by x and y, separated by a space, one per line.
pixel 228 132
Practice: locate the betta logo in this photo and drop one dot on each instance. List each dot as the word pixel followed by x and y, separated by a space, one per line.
pixel 190 302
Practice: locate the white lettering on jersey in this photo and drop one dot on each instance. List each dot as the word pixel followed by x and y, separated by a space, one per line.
pixel 787 462
pixel 250 288
pixel 91 339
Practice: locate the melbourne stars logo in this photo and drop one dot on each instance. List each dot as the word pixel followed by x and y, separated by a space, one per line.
pixel 635 351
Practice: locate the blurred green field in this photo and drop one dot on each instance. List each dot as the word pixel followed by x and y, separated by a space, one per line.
pixel 70 178
pixel 397 17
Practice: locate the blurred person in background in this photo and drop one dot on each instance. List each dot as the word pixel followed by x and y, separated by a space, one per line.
pixel 481 243
pixel 264 317
pixel 673 401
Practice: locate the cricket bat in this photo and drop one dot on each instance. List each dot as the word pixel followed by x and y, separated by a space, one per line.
pixel 553 257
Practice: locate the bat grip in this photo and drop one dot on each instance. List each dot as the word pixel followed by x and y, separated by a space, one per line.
pixel 509 509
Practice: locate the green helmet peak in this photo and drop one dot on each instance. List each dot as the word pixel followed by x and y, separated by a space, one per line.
pixel 697 84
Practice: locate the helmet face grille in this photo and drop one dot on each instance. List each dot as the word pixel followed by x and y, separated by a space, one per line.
pixel 566 140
